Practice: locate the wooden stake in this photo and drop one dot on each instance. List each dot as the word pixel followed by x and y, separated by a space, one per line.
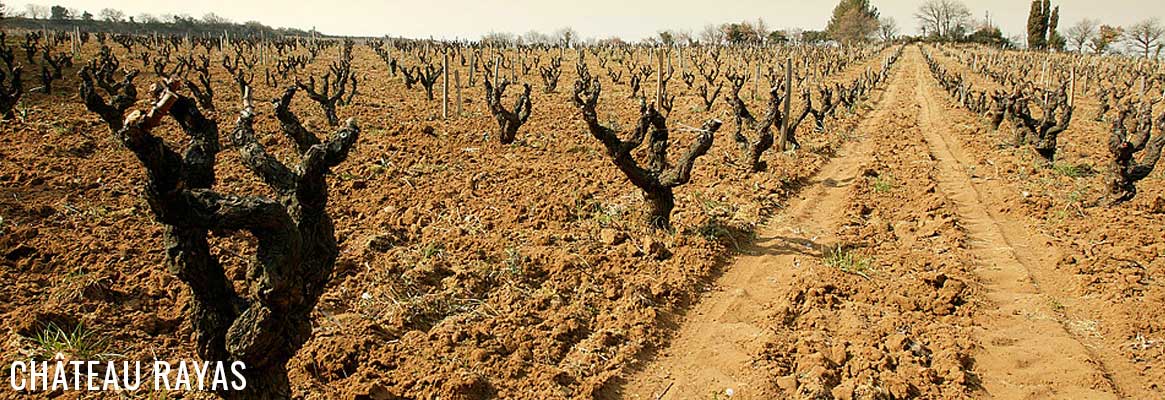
pixel 1072 88
pixel 472 65
pixel 756 81
pixel 788 94
pixel 457 84
pixel 445 84
pixel 659 81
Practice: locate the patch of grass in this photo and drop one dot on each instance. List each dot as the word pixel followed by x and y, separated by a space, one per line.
pixel 77 344
pixel 603 214
pixel 713 207
pixel 72 286
pixel 713 230
pixel 515 262
pixel 846 261
pixel 883 184
pixel 1056 305
pixel 432 250
pixel 1073 170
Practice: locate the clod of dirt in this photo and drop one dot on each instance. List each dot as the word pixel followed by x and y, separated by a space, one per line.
pixel 385 241
pixel 657 249
pixel 19 252
pixel 377 392
pixel 1158 206
pixel 611 237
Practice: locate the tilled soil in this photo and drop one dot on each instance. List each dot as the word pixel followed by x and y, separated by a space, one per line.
pixel 472 270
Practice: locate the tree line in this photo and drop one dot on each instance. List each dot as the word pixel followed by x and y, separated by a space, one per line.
pixel 36 16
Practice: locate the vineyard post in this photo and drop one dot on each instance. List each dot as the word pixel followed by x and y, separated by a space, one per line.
pixel 457 84
pixel 1072 87
pixel 1143 89
pixel 659 79
pixel 1044 79
pixel 497 61
pixel 756 80
pixel 788 94
pixel 472 65
pixel 445 84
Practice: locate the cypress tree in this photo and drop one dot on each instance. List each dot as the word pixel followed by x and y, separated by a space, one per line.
pixel 1037 25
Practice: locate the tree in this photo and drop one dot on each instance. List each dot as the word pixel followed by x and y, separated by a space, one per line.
pixel 945 20
pixel 887 29
pixel 778 37
pixel 989 35
pixel 535 37
pixel 58 13
pixel 565 36
pixel 1105 37
pixel 36 11
pixel 711 35
pixel 1055 41
pixel 853 21
pixel 1144 36
pixel 214 19
pixel 1040 22
pixel 667 38
pixel 761 29
pixel 741 33
pixel 147 18
pixel 814 37
pixel 86 16
pixel 112 15
pixel 498 39
pixel 1079 34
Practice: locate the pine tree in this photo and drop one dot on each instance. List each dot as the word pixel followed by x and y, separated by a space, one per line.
pixel 853 21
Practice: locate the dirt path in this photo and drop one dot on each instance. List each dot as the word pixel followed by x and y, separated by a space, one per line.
pixel 714 348
pixel 1027 352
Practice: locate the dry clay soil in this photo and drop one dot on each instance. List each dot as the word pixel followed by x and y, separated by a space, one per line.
pixel 903 253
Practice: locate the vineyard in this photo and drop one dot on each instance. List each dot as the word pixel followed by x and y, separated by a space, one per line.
pixel 421 219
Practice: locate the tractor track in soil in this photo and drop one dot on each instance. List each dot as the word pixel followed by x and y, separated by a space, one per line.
pixel 1026 352
pixel 714 347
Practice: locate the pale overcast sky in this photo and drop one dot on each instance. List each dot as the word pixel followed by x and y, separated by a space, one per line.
pixel 629 19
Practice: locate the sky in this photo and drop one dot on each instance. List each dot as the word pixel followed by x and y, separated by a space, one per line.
pixel 628 19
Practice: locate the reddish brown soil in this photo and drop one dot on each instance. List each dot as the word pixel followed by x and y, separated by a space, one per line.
pixel 475 270
pixel 468 269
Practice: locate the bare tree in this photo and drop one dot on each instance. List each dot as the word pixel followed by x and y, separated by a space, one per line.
pixel 1143 36
pixel 887 29
pixel 146 18
pixel 946 19
pixel 1080 33
pixel 214 19
pixel 36 11
pixel 1105 37
pixel 711 35
pixel 761 28
pixel 535 37
pixel 566 36
pixel 111 15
